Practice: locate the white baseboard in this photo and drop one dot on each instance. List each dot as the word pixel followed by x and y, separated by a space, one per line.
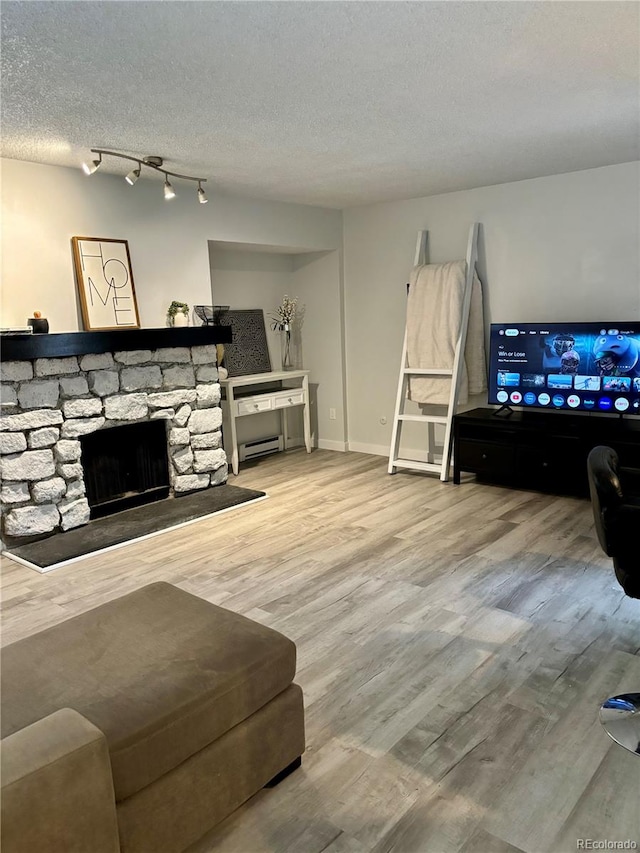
pixel 375 449
pixel 383 450
pixel 326 444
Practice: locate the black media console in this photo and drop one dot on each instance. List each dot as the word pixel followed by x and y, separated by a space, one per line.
pixel 539 450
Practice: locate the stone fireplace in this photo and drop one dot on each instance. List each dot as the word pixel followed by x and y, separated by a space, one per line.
pixel 58 412
pixel 125 466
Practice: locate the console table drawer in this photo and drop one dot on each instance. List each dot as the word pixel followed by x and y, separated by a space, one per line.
pixel 484 457
pixel 255 404
pixel 293 397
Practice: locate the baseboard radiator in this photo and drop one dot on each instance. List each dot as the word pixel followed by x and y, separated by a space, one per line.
pixel 261 447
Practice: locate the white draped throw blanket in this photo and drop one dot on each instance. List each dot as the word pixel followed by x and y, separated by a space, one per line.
pixel 434 316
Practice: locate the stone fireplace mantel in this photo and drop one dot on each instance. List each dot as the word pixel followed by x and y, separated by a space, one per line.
pixel 24 347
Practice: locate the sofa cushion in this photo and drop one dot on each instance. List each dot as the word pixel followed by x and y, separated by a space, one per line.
pixel 162 673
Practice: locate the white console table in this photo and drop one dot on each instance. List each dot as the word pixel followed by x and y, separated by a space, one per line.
pixel 278 400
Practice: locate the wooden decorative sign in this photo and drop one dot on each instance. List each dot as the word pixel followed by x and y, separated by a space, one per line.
pixel 105 283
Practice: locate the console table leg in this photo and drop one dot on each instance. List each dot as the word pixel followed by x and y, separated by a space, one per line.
pixel 306 417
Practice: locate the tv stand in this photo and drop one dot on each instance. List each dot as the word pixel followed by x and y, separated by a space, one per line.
pixel 539 450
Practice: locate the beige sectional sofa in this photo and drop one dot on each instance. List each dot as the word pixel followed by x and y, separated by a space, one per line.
pixel 141 724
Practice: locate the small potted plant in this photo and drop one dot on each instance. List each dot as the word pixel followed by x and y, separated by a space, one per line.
pixel 178 314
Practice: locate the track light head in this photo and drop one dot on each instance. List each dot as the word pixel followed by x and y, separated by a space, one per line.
pixel 93 166
pixel 202 197
pixel 133 176
pixel 169 192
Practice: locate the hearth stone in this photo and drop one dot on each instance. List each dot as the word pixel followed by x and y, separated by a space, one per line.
pixel 182 415
pixel 8 396
pixel 208 460
pixel 31 420
pixel 68 450
pixel 82 408
pixel 73 386
pixel 207 395
pixel 39 395
pixel 126 407
pixel 205 420
pixel 191 482
pixel 43 437
pixel 30 465
pixel 172 398
pixel 54 366
pixel 219 476
pixel 12 442
pixel 137 378
pixel 182 376
pixel 82 426
pixel 32 520
pixel 13 493
pixel 17 371
pixel 96 361
pixel 207 373
pixel 176 355
pixel 204 355
pixel 104 382
pixel 75 489
pixel 71 470
pixel 179 436
pixel 206 440
pixel 49 491
pixel 74 513
pixel 182 459
pixel 133 356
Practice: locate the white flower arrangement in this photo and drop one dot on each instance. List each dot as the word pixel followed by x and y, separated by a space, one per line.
pixel 285 314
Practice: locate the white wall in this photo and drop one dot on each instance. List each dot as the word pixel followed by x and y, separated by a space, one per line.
pixel 317 282
pixel 44 206
pixel 251 279
pixel 565 247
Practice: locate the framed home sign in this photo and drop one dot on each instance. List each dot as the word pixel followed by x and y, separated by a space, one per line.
pixel 105 283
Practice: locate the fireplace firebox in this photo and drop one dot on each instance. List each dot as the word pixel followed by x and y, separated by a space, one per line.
pixel 125 466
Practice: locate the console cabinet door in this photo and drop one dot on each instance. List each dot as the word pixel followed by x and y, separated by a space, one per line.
pixel 556 463
pixel 487 458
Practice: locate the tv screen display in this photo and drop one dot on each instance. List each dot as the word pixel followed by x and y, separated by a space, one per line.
pixel 592 367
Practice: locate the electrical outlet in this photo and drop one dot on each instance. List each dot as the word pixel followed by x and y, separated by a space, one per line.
pixel 332 414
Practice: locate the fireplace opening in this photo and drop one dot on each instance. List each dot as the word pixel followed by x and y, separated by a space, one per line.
pixel 125 466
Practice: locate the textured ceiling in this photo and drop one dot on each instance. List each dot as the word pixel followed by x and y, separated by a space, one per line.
pixel 328 103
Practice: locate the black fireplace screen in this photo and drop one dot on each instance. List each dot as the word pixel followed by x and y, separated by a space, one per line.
pixel 125 466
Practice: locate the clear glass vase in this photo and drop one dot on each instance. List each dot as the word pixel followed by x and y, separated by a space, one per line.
pixel 286 354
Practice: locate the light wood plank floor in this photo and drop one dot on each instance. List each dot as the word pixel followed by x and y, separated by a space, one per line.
pixel 454 645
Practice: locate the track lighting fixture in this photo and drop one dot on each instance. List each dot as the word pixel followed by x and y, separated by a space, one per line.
pixel 92 166
pixel 133 176
pixel 155 163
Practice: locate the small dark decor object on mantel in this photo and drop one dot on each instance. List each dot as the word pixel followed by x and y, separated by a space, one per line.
pixel 210 314
pixel 38 323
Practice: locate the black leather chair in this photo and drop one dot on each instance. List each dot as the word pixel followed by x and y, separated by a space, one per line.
pixel 616 513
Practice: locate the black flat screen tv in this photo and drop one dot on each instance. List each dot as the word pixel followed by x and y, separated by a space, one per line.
pixel 592 367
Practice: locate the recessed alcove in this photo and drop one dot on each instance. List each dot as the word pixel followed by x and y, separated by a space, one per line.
pixel 255 275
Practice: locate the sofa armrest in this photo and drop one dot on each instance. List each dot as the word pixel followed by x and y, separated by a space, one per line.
pixel 57 791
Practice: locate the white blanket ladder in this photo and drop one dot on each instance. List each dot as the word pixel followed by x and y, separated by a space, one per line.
pixel 455 374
